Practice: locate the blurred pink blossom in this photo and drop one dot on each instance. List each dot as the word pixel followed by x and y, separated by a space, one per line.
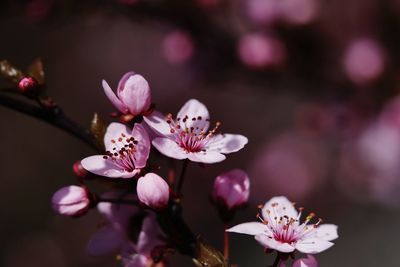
pixel 188 136
pixel 71 201
pixel 113 234
pixel 133 94
pixel 293 164
pixel 177 47
pixel 139 254
pixel 127 152
pixel 363 60
pixel 280 229
pixel 369 162
pixel 262 11
pixel 298 11
pixel 153 191
pixel 257 50
pixel 231 189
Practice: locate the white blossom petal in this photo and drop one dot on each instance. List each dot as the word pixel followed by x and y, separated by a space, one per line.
pixel 104 167
pixel 206 157
pixel 169 148
pixel 227 143
pixel 327 232
pixel 113 132
pixel 249 228
pixel 197 115
pixel 313 245
pixel 278 207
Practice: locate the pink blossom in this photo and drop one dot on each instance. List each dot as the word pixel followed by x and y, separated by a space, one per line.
pixel 259 51
pixel 263 11
pixel 139 254
pixel 363 60
pixel 126 154
pixel 113 234
pixel 298 11
pixel 188 136
pixel 280 229
pixel 153 191
pixel 71 201
pixel 177 47
pixel 133 94
pixel 232 189
pixel 310 261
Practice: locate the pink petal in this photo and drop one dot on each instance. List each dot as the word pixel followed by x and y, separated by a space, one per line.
pixel 195 109
pixel 135 94
pixel 117 215
pixel 150 236
pixel 327 232
pixel 157 122
pixel 250 228
pixel 228 143
pixel 206 157
pixel 138 260
pixel 143 146
pixel 271 243
pixel 113 132
pixel 169 148
pixel 104 167
pixel 313 245
pixel 282 207
pixel 104 241
pixel 113 98
pixel 310 261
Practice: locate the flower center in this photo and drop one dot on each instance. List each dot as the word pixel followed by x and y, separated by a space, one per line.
pixel 286 229
pixel 190 138
pixel 123 152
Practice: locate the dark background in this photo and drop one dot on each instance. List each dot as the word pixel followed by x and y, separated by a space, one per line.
pixel 325 137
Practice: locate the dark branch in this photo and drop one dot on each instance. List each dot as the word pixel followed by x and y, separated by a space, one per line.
pixel 52 116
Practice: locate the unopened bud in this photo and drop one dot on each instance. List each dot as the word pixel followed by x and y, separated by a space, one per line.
pixel 28 86
pixel 71 201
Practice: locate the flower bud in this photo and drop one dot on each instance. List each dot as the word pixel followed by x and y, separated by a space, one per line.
pixel 153 191
pixel 231 189
pixel 310 261
pixel 71 201
pixel 28 86
pixel 79 170
pixel 133 94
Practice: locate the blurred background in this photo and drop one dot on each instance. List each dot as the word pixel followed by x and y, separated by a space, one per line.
pixel 313 83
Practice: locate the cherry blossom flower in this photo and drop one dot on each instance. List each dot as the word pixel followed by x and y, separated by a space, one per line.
pixel 231 189
pixel 113 234
pixel 133 94
pixel 71 201
pixel 188 136
pixel 126 154
pixel 139 254
pixel 280 229
pixel 153 191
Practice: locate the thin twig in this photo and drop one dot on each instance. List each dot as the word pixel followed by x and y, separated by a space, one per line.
pixel 53 116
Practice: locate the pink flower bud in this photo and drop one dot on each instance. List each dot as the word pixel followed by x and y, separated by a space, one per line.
pixel 153 191
pixel 310 261
pixel 28 86
pixel 71 201
pixel 231 189
pixel 133 94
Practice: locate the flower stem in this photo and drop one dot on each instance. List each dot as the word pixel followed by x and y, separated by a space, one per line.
pixel 277 260
pixel 226 242
pixel 182 177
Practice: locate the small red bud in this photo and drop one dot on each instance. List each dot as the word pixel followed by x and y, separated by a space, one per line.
pixel 28 86
pixel 79 170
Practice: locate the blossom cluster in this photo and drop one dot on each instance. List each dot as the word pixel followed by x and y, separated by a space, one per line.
pixel 190 137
